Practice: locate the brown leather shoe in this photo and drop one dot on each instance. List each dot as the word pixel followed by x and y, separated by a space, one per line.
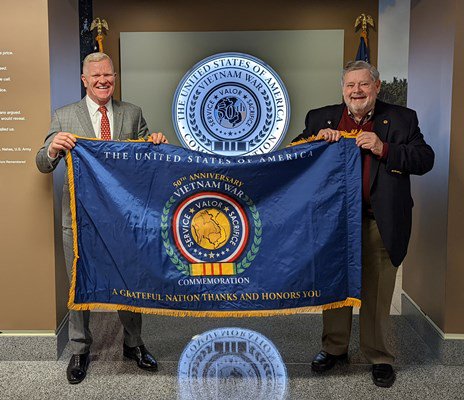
pixel 325 361
pixel 143 357
pixel 77 368
pixel 383 375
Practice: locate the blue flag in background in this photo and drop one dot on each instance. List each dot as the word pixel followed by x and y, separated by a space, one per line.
pixel 165 230
pixel 363 49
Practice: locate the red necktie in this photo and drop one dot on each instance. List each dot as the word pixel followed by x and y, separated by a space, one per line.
pixel 105 132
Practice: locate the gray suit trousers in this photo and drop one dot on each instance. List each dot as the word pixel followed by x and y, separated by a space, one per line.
pixel 80 337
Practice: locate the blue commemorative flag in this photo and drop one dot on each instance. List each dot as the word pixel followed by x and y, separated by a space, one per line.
pixel 166 230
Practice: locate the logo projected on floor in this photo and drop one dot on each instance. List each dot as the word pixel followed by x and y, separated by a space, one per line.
pixel 231 363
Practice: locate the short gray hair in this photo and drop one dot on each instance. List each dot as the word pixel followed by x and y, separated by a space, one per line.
pixel 96 57
pixel 356 65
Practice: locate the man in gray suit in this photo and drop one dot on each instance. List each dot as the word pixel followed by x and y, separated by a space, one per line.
pixel 97 115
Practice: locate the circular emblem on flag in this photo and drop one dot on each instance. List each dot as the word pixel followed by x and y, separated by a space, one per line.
pixel 231 104
pixel 211 233
pixel 231 363
pixel 210 227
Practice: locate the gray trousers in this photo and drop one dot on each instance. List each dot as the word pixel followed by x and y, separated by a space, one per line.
pixel 80 337
pixel 377 285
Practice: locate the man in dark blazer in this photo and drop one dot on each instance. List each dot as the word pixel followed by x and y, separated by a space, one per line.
pixel 97 115
pixel 392 148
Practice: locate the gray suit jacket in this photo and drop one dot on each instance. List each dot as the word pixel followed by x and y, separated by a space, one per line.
pixel 74 118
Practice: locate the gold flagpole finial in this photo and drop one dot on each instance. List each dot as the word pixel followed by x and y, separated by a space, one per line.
pixel 102 27
pixel 364 21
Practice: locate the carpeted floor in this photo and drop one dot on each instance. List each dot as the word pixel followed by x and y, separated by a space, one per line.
pixel 256 358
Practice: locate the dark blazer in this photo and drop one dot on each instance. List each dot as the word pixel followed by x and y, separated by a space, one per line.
pixel 390 187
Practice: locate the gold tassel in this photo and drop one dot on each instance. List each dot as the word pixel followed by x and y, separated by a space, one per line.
pixel 349 302
pixel 313 138
pixel 72 207
pixel 121 141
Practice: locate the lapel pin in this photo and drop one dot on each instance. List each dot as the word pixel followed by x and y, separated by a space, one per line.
pixel 385 122
pixel 329 122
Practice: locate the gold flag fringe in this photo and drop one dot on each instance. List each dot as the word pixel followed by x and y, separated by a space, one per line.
pixel 348 302
pixel 119 141
pixel 314 138
pixel 72 207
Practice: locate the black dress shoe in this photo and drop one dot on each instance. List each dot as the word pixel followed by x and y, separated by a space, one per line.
pixel 325 361
pixel 143 357
pixel 383 375
pixel 77 368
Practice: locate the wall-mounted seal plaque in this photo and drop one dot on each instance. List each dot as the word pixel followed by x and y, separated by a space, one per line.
pixel 231 104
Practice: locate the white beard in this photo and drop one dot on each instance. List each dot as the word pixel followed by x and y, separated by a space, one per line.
pixel 358 108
